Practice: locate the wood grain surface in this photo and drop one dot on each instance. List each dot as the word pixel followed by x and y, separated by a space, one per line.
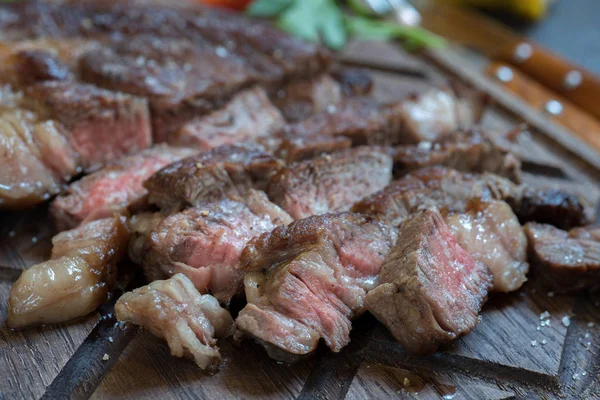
pixel 508 355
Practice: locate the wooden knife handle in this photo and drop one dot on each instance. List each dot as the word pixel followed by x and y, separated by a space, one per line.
pixel 556 107
pixel 572 82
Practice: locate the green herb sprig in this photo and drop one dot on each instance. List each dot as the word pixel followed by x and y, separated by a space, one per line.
pixel 326 21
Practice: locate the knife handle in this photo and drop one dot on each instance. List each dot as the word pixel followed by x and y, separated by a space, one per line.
pixel 572 82
pixel 557 108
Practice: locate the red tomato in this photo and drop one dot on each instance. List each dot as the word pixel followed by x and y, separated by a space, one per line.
pixel 239 5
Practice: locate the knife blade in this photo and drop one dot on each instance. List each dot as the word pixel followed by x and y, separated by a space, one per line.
pixel 496 41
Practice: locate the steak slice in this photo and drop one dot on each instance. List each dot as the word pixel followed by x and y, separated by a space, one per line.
pixel 28 61
pixel 77 279
pixel 426 117
pixel 36 159
pixel 205 242
pixel 141 226
pixel 451 191
pixel 225 171
pixel 114 188
pixel 174 310
pixel 300 99
pixel 317 272
pixel 330 183
pixel 101 126
pixel 431 290
pixel 471 151
pixel 247 117
pixel 491 233
pixel 565 261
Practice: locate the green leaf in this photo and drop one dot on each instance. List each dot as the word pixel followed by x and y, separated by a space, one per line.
pixel 332 26
pixel 268 8
pixel 413 37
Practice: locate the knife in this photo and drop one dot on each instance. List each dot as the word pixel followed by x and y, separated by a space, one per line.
pixel 497 42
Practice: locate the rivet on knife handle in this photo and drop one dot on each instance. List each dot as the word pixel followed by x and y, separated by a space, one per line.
pixel 574 83
pixel 556 107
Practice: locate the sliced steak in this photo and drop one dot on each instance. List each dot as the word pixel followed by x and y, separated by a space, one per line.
pixel 492 234
pixel 114 188
pixel 225 171
pixel 317 272
pixel 330 183
pixel 174 310
pixel 28 61
pixel 205 242
pixel 451 191
pixel 565 261
pixel 101 126
pixel 426 117
pixel 299 99
pixel 471 151
pixel 431 290
pixel 180 78
pixel 247 117
pixel 36 159
pixel 77 279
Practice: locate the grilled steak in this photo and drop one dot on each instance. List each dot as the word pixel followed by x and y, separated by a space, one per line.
pixel 224 171
pixel 174 310
pixel 491 233
pixel 299 99
pixel 28 61
pixel 330 183
pixel 471 151
pixel 565 261
pixel 180 78
pixel 426 117
pixel 317 272
pixel 451 191
pixel 77 279
pixel 205 242
pixel 141 226
pixel 431 290
pixel 101 126
pixel 112 189
pixel 248 116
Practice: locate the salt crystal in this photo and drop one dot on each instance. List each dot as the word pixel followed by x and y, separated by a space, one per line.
pixel 533 343
pixel 590 324
pixel 110 339
pixel 584 373
pixel 587 335
pixel 566 321
pixel 575 376
pixel 544 315
pixel 406 382
pixel 12 233
pixel 550 294
pixel 424 145
pixel 539 328
pixel 34 239
pixel 221 51
pixel 544 341
pixel 105 357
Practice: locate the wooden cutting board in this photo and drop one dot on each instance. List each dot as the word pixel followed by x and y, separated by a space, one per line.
pixel 510 354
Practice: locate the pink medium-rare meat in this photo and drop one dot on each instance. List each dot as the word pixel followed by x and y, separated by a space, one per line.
pixel 450 191
pixel 431 290
pixel 565 261
pixel 317 272
pixel 299 99
pixel 492 234
pixel 205 242
pixel 101 126
pixel 330 183
pixel 248 116
pixel 78 278
pixel 114 188
pixel 471 151
pixel 225 171
pixel 174 310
